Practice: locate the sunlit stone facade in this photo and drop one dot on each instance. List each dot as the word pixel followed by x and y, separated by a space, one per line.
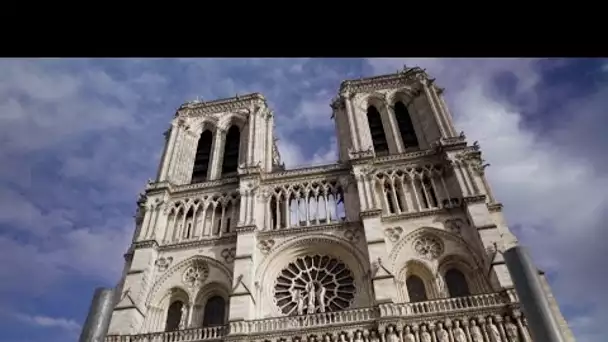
pixel 399 241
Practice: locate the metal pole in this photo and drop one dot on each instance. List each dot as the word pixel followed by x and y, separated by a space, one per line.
pixel 98 320
pixel 541 321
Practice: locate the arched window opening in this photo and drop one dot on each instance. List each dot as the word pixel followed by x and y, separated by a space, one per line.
pixel 174 315
pixel 340 208
pixel 215 311
pixel 457 283
pixel 231 151
pixel 429 192
pixel 406 128
pixel 377 131
pixel 389 199
pixel 229 213
pixel 415 289
pixel 203 155
pixel 273 213
pixel 188 230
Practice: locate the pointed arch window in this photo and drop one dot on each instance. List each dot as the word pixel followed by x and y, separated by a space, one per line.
pixel 456 283
pixel 415 289
pixel 231 151
pixel 377 131
pixel 174 315
pixel 203 155
pixel 406 127
pixel 215 311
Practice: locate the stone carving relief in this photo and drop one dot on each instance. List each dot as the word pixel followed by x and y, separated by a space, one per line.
pixel 265 245
pixel 163 263
pixel 393 234
pixel 352 235
pixel 313 284
pixel 228 254
pixel 454 225
pixel 428 246
pixel 196 274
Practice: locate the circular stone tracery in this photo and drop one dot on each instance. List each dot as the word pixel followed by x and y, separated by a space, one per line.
pixel 428 246
pixel 196 274
pixel 325 271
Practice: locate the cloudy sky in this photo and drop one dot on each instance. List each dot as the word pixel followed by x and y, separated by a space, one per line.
pixel 79 138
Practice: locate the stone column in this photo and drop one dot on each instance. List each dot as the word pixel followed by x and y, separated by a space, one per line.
pixel 217 153
pixel 394 129
pixel 434 109
pixel 447 113
pixel 352 122
pixel 448 126
pixel 168 157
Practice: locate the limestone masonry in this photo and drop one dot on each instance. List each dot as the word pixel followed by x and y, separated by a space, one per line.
pixel 400 241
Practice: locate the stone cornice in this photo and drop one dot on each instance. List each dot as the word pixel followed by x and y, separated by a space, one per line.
pixel 313 171
pixel 407 77
pixel 185 190
pixel 230 104
pixel 306 229
pixel 494 207
pixel 411 216
pixel 229 238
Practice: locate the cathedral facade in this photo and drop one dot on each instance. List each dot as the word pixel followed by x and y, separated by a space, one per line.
pixel 399 241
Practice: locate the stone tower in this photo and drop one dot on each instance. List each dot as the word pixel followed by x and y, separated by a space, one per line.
pixel 400 240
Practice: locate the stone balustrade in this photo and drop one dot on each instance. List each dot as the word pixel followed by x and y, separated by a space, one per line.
pixel 437 306
pixel 478 316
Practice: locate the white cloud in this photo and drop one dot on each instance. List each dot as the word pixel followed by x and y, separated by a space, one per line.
pixel 48 322
pixel 553 192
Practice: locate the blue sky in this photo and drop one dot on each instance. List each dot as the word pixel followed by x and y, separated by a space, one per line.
pixel 80 137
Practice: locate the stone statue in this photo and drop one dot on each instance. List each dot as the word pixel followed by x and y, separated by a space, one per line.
pixel 358 336
pixel 183 317
pixel 321 297
pixel 327 338
pixel 310 291
pixel 373 336
pixel 511 330
pixel 459 335
pixel 299 300
pixel 408 336
pixel 391 335
pixel 440 284
pixel 442 334
pixel 476 334
pixel 494 333
pixel 425 336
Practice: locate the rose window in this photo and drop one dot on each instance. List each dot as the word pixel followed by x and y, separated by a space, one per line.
pixel 314 284
pixel 196 274
pixel 428 247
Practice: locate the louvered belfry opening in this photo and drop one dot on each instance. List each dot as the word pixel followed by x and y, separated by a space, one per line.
pixel 203 156
pixel 231 151
pixel 406 127
pixel 377 131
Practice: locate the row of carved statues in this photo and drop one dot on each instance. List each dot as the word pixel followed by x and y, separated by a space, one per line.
pixel 493 328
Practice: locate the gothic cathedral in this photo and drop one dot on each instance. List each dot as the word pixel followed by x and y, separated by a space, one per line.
pixel 399 241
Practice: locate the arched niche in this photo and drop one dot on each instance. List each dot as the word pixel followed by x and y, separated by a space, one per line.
pixel 211 305
pixel 289 252
pixel 405 96
pixel 451 245
pixel 174 277
pixel 413 274
pixel 474 278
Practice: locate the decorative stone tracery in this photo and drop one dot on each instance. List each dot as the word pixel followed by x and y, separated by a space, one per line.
pixel 428 246
pixel 196 274
pixel 311 284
